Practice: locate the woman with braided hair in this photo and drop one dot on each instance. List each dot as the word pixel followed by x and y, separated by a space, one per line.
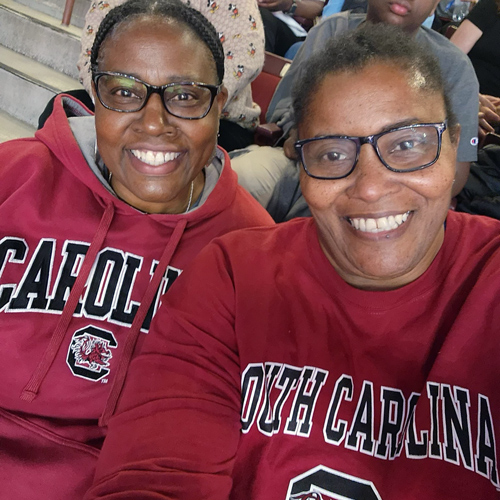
pixel 98 216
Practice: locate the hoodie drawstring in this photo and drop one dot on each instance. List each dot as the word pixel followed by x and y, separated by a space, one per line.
pixel 135 328
pixel 30 391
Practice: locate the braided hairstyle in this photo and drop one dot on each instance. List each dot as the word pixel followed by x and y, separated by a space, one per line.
pixel 169 9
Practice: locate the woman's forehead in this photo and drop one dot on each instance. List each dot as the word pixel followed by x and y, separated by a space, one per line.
pixel 377 82
pixel 148 23
pixel 163 49
pixel 370 99
pixel 378 73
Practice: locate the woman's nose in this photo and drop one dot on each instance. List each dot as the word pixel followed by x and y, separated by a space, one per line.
pixel 154 118
pixel 371 180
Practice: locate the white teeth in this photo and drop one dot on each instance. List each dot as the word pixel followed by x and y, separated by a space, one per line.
pixel 154 158
pixel 383 223
pixel 150 158
pixel 378 225
pixel 371 225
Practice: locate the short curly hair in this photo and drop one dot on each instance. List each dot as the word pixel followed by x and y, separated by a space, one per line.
pixel 196 22
pixel 368 44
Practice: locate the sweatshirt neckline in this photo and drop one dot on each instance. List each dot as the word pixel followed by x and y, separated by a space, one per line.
pixel 379 301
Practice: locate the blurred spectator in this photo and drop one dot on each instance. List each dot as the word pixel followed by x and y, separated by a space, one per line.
pixel 479 36
pixel 489 115
pixel 287 22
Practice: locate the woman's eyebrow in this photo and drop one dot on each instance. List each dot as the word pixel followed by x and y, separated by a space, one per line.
pixel 403 123
pixel 171 78
pixel 183 78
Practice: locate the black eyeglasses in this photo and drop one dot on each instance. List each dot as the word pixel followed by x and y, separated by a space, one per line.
pixel 127 94
pixel 402 149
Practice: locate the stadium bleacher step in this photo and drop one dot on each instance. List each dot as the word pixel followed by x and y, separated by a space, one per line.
pixel 11 128
pixel 38 57
pixel 40 37
pixel 28 85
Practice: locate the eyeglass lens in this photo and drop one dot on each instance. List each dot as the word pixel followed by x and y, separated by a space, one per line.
pixel 405 149
pixel 127 94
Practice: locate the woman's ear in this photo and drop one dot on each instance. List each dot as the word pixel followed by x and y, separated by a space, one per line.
pixel 455 134
pixel 221 98
pixel 289 145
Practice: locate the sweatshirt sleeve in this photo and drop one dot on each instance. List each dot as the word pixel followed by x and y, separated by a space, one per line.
pixel 177 427
pixel 462 88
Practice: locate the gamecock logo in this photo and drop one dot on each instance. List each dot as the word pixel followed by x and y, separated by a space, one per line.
pixel 89 353
pixel 322 483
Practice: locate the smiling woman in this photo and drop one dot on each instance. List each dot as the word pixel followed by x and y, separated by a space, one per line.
pixel 351 355
pixel 98 217
pixel 138 126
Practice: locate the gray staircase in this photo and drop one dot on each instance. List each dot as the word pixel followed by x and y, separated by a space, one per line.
pixel 38 57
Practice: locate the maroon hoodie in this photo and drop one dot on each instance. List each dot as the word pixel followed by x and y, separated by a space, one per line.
pixel 81 276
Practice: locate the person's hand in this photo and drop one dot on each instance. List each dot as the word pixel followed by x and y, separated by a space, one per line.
pixel 491 100
pixel 288 145
pixel 489 114
pixel 491 104
pixel 275 5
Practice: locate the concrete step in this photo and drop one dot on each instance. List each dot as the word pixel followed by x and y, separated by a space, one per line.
pixel 27 85
pixel 55 9
pixel 11 128
pixel 40 37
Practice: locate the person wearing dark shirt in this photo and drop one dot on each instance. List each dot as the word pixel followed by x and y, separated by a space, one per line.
pixel 479 37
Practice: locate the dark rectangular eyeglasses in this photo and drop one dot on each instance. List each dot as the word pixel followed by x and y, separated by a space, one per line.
pixel 402 149
pixel 127 94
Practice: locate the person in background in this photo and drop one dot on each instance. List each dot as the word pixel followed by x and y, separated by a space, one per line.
pixel 240 29
pixel 489 115
pixel 353 354
pixel 481 193
pixel 98 217
pixel 478 35
pixel 286 23
pixel 336 6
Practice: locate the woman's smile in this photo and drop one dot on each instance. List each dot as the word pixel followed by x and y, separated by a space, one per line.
pixel 379 224
pixel 155 163
pixel 154 158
